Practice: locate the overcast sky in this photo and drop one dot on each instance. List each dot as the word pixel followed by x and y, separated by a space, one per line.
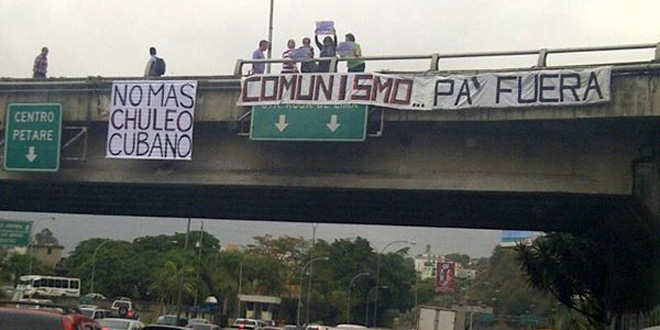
pixel 205 37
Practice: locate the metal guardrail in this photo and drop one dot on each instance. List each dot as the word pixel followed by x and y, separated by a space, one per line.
pixel 435 58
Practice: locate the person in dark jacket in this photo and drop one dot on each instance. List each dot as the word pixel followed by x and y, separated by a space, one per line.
pixel 328 49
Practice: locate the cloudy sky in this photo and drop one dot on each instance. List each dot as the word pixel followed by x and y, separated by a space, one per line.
pixel 205 37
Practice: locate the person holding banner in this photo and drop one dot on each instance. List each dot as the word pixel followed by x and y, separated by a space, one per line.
pixel 289 66
pixel 258 54
pixel 307 54
pixel 355 64
pixel 328 49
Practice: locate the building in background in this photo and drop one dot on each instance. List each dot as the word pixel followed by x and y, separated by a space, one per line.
pixel 46 249
pixel 425 263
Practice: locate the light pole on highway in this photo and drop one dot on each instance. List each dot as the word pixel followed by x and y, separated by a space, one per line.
pixel 302 272
pixel 378 273
pixel 348 302
pixel 366 310
pixel 91 286
pixel 270 34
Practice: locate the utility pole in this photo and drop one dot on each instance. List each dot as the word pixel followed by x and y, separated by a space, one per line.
pixel 200 244
pixel 311 271
pixel 181 275
pixel 270 35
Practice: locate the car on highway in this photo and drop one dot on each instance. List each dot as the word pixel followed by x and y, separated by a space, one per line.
pixel 203 326
pixel 120 324
pixel 123 307
pixel 164 327
pixel 171 319
pixel 95 313
pixel 250 324
pixel 198 320
pixel 45 317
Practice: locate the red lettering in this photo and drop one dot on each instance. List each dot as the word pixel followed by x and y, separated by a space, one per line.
pixel 327 88
pixel 264 85
pixel 342 88
pixel 359 87
pixel 378 87
pixel 395 92
pixel 245 97
pixel 310 91
pixel 288 85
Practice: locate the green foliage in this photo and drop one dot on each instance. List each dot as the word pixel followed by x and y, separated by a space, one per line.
pixel 587 270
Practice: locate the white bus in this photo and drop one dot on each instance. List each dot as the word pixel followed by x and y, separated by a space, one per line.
pixel 53 286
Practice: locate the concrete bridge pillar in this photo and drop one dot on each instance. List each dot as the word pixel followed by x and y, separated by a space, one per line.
pixel 646 175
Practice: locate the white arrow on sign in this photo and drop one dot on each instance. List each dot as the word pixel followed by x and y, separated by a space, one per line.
pixel 281 125
pixel 31 156
pixel 333 125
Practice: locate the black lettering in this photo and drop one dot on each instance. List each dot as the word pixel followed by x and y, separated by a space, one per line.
pixel 438 93
pixel 170 145
pixel 190 121
pixel 543 87
pixel 148 116
pixel 112 119
pixel 464 91
pixel 169 119
pixel 592 84
pixel 155 93
pixel 155 125
pixel 178 144
pixel 563 85
pixel 187 96
pixel 171 95
pixel 110 144
pixel 130 95
pixel 118 95
pixel 128 118
pixel 142 141
pixel 535 94
pixel 157 143
pixel 132 145
pixel 500 89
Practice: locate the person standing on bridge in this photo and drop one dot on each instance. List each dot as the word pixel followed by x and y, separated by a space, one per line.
pixel 309 66
pixel 258 54
pixel 328 49
pixel 40 66
pixel 155 65
pixel 355 63
pixel 289 66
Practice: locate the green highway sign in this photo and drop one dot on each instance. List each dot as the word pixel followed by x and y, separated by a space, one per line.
pixel 15 233
pixel 342 123
pixel 32 137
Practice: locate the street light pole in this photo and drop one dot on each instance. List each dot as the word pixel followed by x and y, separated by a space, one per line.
pixel 378 273
pixel 240 287
pixel 302 272
pixel 183 267
pixel 348 303
pixel 311 273
pixel 91 289
pixel 366 311
pixel 270 34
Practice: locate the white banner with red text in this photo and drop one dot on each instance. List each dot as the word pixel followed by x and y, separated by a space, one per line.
pixel 151 119
pixel 432 92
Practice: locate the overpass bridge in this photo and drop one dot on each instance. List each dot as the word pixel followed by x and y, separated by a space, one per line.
pixel 539 168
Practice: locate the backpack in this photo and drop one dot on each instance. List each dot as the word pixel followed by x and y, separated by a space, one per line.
pixel 158 67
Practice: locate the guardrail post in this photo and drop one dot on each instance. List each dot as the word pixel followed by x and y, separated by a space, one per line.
pixel 333 64
pixel 435 58
pixel 657 52
pixel 238 68
pixel 543 56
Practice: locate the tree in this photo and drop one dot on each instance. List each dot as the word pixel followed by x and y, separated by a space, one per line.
pixel 605 270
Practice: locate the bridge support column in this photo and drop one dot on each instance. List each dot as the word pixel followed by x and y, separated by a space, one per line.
pixel 646 176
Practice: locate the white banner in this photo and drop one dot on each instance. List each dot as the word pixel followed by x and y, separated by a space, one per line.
pixel 151 119
pixel 432 92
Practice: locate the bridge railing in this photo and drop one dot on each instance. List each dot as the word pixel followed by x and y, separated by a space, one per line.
pixel 434 59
